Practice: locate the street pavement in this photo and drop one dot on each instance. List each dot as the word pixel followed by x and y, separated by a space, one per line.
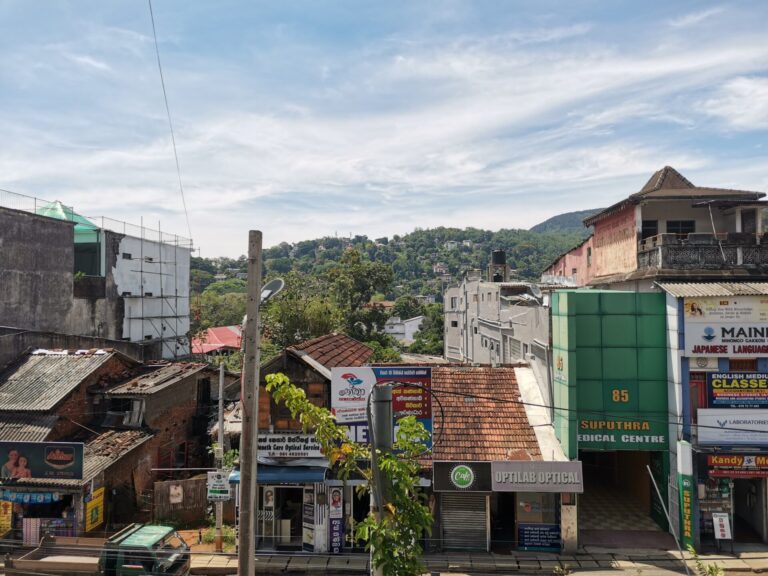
pixel 751 559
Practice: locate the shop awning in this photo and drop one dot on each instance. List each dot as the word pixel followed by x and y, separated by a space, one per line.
pixel 284 474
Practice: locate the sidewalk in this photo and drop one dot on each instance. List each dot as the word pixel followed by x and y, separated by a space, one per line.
pixel 745 560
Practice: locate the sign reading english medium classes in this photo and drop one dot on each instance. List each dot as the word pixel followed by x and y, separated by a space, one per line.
pixel 535 476
pixel 735 326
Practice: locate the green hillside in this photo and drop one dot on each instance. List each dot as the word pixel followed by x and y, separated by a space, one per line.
pixel 568 223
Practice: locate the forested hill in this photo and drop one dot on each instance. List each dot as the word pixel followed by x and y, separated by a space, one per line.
pixel 568 223
pixel 418 259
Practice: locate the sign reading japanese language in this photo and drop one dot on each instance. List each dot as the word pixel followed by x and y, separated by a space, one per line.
pixel 737 390
pixel 735 326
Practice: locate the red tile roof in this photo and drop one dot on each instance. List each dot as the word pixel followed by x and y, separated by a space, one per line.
pixel 334 350
pixel 217 338
pixel 479 428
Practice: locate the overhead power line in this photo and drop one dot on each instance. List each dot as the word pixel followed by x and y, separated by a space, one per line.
pixel 170 122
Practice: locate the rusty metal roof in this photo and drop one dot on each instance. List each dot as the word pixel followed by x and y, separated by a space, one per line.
pixel 703 289
pixel 26 427
pixel 37 382
pixel 158 379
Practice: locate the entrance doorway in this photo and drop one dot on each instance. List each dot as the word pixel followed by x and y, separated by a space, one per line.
pixel 619 505
pixel 503 537
pixel 749 510
pixel 281 516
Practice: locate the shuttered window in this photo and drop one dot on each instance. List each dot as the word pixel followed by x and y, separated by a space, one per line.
pixel 464 520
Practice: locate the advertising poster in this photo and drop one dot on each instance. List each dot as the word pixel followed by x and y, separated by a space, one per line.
pixel 308 520
pixel 94 510
pixel 735 326
pixel 737 390
pixel 541 537
pixel 61 460
pixel 732 427
pixel 350 388
pixel 336 519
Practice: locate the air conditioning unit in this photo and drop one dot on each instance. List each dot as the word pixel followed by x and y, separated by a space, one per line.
pixel 530 356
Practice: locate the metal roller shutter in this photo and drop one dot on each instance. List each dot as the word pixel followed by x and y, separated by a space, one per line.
pixel 464 521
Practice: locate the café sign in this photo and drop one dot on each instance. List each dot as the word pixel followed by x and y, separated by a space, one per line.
pixel 527 476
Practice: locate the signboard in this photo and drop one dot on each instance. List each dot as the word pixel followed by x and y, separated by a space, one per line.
pixel 308 520
pixel 722 525
pixel 737 465
pixel 525 476
pixel 737 390
pixel 336 520
pixel 735 326
pixel 218 486
pixel 6 517
pixel 350 388
pixel 538 536
pixel 685 486
pixel 176 494
pixel 461 476
pixel 728 427
pixel 624 433
pixel 94 510
pixel 289 446
pixel 59 460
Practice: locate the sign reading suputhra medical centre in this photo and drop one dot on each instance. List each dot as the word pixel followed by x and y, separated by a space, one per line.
pixel 527 476
pixel 735 326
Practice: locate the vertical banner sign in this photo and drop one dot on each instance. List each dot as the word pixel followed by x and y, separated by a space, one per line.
pixel 685 487
pixel 308 520
pixel 336 517
pixel 350 388
pixel 6 517
pixel 94 510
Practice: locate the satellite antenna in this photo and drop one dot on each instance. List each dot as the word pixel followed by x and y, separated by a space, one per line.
pixel 272 288
pixel 536 291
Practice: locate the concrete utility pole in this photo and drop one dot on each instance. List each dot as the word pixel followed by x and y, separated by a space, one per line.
pixel 381 435
pixel 219 453
pixel 249 397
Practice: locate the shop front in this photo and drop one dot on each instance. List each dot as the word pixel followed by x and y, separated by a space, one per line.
pixel 504 505
pixel 36 511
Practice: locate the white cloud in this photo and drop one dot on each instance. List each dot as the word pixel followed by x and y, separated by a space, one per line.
pixel 694 18
pixel 742 103
pixel 88 62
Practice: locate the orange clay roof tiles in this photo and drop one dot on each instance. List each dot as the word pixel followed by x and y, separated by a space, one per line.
pixel 334 350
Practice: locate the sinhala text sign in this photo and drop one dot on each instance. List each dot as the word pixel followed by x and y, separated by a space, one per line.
pixel 536 476
pixel 60 460
pixel 737 465
pixel 735 326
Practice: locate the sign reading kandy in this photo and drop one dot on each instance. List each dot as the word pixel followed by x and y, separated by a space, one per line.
pixel 727 427
pixel 62 460
pixel 730 326
pixel 737 465
pixel 737 390
pixel 535 476
pixel 289 446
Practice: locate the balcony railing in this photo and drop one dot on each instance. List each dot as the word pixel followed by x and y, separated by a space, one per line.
pixel 704 251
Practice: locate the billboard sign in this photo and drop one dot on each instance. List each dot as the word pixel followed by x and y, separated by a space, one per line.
pixel 737 390
pixel 289 446
pixel 734 326
pixel 48 460
pixel 737 465
pixel 537 476
pixel 728 427
pixel 350 388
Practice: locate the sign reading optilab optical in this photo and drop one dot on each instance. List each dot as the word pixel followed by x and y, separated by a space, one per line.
pixel 61 460
pixel 729 326
pixel 737 390
pixel 732 427
pixel 534 476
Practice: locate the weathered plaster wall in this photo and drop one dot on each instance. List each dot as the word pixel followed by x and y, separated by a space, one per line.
pixel 615 243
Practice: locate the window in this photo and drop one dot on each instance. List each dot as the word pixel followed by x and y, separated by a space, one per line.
pixel 180 456
pixel 515 348
pixel 681 227
pixel 589 256
pixel 454 323
pixel 650 229
pixel 482 297
pixel 698 385
pixel 748 365
pixel 126 256
pixel 573 271
pixel 453 302
pixel 474 297
pixel 475 329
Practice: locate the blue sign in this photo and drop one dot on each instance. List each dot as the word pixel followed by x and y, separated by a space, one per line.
pixel 542 537
pixel 337 535
pixel 29 497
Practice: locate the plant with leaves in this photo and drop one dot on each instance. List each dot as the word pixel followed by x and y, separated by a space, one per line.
pixel 394 538
pixel 704 569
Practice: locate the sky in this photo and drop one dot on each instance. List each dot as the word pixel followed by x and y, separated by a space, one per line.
pixel 314 118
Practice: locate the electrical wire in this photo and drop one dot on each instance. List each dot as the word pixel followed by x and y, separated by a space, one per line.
pixel 170 122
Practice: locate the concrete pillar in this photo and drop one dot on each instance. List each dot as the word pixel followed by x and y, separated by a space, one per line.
pixel 569 529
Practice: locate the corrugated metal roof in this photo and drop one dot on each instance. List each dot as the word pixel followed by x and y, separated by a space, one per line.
pixel 39 381
pixel 26 427
pixel 156 380
pixel 702 289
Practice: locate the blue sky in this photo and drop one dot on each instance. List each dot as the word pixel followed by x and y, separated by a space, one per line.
pixel 306 119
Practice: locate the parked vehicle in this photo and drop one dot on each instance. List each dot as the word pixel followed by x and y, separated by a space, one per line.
pixel 138 550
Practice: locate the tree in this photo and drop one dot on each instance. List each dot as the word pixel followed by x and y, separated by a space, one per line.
pixel 395 538
pixel 199 279
pixel 406 307
pixel 429 338
pixel 210 309
pixel 228 286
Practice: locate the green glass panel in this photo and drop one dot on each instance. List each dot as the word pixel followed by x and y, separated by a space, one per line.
pixel 590 396
pixel 651 303
pixel 588 331
pixel 620 331
pixel 653 395
pixel 617 302
pixel 620 363
pixel 652 331
pixel 589 362
pixel 586 302
pixel 652 363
